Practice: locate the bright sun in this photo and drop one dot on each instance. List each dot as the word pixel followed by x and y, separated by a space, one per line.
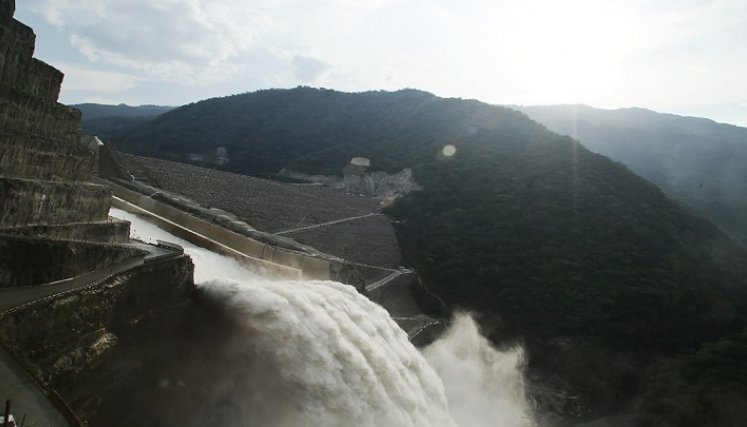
pixel 572 49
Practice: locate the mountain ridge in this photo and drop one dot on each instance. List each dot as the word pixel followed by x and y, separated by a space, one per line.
pixel 551 243
pixel 92 110
pixel 696 160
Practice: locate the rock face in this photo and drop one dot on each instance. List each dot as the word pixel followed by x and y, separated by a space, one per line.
pixel 43 166
pixel 28 262
pixel 353 231
pixel 63 338
pixel 380 185
pixel 54 224
pixel 110 231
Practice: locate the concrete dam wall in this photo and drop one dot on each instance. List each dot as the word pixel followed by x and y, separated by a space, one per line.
pixel 33 261
pixel 106 309
pixel 264 257
pixel 98 289
pixel 220 231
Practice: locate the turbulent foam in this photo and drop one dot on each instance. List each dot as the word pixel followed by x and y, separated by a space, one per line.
pixel 331 357
pixel 208 265
pixel 484 386
pixel 346 361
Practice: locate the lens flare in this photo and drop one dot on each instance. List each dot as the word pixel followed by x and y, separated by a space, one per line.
pixel 448 150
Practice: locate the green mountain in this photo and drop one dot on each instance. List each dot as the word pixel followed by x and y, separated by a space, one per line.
pixel 550 242
pixel 698 161
pixel 110 121
pixel 707 388
pixel 95 111
pixel 315 131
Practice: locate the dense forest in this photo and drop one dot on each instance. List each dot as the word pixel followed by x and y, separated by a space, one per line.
pixel 111 121
pixel 315 131
pixel 563 242
pixel 706 388
pixel 696 160
pixel 549 242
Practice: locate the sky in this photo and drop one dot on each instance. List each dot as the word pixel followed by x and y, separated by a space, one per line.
pixel 685 57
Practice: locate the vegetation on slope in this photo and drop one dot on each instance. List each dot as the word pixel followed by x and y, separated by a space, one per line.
pixel 96 111
pixel 563 242
pixel 707 388
pixel 520 223
pixel 318 131
pixel 698 161
pixel 109 122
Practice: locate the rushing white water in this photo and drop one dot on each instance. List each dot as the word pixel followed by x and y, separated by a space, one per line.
pixel 341 360
pixel 484 386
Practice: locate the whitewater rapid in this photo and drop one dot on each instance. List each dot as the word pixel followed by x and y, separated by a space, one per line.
pixel 338 359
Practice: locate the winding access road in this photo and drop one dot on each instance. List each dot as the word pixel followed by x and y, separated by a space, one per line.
pixel 18 296
pixel 27 397
pixel 325 224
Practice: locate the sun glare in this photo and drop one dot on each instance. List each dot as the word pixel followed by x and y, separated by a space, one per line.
pixel 448 150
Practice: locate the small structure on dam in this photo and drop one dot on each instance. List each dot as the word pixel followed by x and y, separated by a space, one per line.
pixel 322 231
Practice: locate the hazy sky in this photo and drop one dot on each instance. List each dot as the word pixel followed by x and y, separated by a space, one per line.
pixel 679 56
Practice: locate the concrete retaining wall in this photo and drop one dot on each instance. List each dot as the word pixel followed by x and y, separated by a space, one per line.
pixel 256 255
pixel 32 157
pixel 109 231
pixel 27 261
pixel 43 332
pixel 25 202
pixel 241 238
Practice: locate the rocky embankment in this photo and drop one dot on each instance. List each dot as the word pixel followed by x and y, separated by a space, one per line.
pixel 65 337
pixel 309 218
pixel 34 261
pixel 330 220
pixel 381 185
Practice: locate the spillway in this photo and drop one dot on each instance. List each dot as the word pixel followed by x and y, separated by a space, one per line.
pixel 331 357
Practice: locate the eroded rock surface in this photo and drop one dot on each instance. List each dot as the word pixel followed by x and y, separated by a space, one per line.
pixel 54 225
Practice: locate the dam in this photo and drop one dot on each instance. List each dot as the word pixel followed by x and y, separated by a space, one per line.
pixel 374 270
pixel 100 329
pixel 331 357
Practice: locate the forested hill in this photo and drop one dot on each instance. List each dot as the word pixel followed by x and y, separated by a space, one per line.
pixel 315 131
pixel 95 111
pixel 698 161
pixel 111 121
pixel 529 228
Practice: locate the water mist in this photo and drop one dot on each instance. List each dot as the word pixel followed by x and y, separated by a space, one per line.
pixel 322 354
pixel 484 386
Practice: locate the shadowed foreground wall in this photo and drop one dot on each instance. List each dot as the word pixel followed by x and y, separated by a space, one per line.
pixel 43 166
pixel 54 224
pixel 64 338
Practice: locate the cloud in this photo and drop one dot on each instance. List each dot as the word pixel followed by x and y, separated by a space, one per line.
pixel 99 100
pixel 661 55
pixel 189 41
pixel 365 4
pixel 308 69
pixel 87 79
